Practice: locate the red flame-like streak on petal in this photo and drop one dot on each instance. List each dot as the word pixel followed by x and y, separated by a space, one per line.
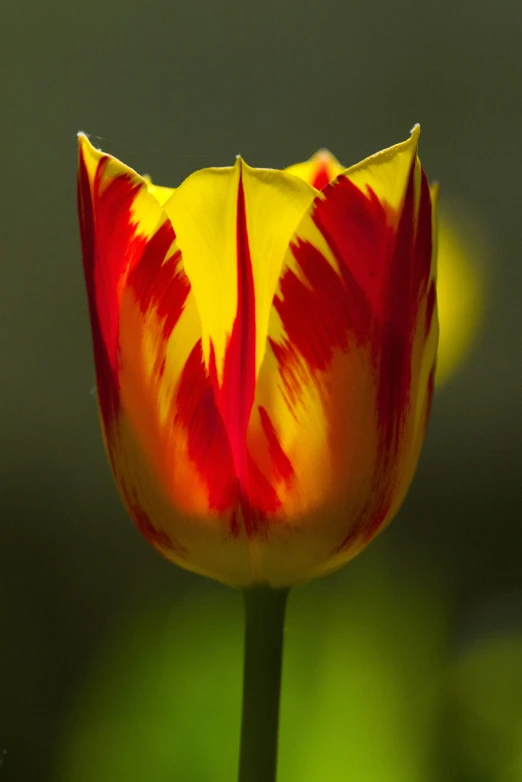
pixel 208 444
pixel 164 286
pixel 255 496
pixel 109 248
pixel 384 274
pixel 236 394
pixel 113 255
pixel 238 383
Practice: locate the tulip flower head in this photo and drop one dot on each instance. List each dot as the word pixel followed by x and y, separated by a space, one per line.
pixel 265 347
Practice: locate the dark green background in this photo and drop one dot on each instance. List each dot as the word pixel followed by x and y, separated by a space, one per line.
pixel 174 86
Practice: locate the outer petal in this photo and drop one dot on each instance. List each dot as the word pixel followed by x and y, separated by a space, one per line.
pixel 343 393
pixel 319 170
pixel 165 437
pixel 117 219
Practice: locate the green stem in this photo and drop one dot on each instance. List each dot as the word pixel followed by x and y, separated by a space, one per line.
pixel 265 615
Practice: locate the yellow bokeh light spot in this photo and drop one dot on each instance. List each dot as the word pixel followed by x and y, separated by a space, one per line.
pixel 462 248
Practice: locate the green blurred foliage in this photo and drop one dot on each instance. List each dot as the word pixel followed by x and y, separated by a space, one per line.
pixel 363 661
pixel 485 708
pixel 369 690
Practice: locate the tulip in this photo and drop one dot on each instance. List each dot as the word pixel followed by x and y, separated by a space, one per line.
pixel 265 350
pixel 265 347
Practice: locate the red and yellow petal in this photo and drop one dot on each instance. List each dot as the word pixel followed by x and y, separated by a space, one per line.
pixel 165 437
pixel 117 219
pixel 319 170
pixel 342 397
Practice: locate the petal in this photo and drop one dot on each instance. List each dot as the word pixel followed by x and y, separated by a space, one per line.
pixel 342 396
pixel 173 448
pixel 233 226
pixel 117 218
pixel 204 213
pixel 165 437
pixel 319 170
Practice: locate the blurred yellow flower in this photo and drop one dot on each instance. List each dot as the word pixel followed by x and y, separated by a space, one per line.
pixel 460 285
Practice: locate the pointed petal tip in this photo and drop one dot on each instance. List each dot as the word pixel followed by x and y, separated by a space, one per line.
pixel 414 136
pixel 325 157
pixel 85 148
pixel 88 156
pixel 83 139
pixel 322 154
pixel 409 146
pixel 241 164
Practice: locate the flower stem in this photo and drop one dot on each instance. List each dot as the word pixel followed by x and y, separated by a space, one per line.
pixel 265 615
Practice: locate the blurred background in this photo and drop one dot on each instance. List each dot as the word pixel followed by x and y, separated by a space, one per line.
pixel 115 665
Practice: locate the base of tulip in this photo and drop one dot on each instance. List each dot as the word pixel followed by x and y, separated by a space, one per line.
pixel 264 623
